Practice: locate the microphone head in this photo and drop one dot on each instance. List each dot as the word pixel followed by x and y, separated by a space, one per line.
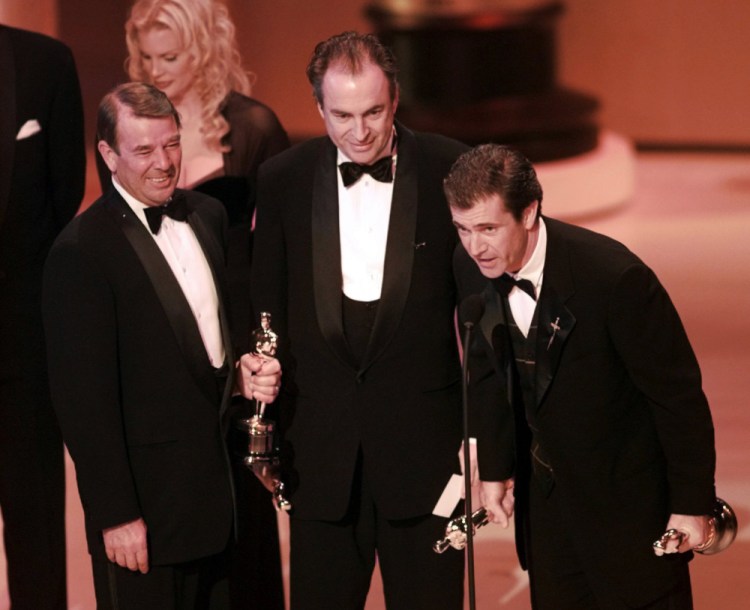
pixel 470 310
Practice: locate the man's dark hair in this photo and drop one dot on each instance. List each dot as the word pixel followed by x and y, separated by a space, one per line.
pixel 492 169
pixel 352 51
pixel 142 99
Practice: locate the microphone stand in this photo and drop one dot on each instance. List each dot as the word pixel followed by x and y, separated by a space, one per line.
pixel 467 467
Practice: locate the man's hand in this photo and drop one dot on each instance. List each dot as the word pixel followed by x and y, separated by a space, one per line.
pixel 258 378
pixel 695 530
pixel 497 498
pixel 126 545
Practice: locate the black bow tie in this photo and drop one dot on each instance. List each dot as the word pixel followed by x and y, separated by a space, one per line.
pixel 504 284
pixel 175 208
pixel 381 170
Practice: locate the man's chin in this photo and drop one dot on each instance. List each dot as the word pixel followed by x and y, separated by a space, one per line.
pixel 362 158
pixel 365 155
pixel 168 186
pixel 488 270
pixel 161 196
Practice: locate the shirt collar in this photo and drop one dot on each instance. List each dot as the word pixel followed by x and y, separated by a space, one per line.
pixel 533 270
pixel 133 203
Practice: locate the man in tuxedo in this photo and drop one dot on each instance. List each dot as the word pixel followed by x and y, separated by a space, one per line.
pixel 353 249
pixel 141 367
pixel 588 394
pixel 42 175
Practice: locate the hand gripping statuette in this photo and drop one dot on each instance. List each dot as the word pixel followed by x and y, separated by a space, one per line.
pixel 722 525
pixel 260 453
pixel 456 530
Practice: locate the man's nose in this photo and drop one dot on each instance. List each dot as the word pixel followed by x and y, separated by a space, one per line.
pixel 360 129
pixel 476 244
pixel 162 159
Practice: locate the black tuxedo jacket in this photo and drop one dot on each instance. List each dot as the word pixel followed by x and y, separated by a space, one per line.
pixel 138 400
pixel 402 405
pixel 41 185
pixel 619 405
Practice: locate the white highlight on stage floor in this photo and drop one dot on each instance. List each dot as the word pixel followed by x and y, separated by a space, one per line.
pixel 594 182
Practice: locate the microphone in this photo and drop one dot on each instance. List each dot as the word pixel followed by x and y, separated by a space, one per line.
pixel 471 310
pixel 469 313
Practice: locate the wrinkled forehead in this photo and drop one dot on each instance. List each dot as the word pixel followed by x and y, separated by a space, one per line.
pixel 134 128
pixel 364 79
pixel 484 206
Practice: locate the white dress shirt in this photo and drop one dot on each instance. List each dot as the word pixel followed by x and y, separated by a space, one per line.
pixel 187 260
pixel 522 306
pixel 364 214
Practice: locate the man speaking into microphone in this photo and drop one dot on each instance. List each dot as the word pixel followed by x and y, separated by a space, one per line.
pixel 589 396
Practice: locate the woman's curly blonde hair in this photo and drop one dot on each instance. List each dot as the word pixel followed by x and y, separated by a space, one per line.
pixel 207 34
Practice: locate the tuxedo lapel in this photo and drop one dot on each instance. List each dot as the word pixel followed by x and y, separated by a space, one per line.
pixel 555 321
pixel 494 330
pixel 176 307
pixel 399 253
pixel 7 118
pixel 326 253
pixel 494 313
pixel 212 251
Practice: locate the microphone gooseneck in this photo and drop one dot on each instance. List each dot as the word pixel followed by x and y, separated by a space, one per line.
pixel 469 313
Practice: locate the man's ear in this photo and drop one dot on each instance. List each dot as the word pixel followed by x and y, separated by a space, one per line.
pixel 529 215
pixel 108 154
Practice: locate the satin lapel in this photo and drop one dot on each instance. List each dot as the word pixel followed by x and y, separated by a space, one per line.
pixel 495 332
pixel 215 259
pixel 493 312
pixel 7 118
pixel 399 252
pixel 555 321
pixel 326 253
pixel 170 294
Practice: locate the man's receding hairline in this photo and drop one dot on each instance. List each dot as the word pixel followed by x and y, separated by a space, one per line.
pixel 341 66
